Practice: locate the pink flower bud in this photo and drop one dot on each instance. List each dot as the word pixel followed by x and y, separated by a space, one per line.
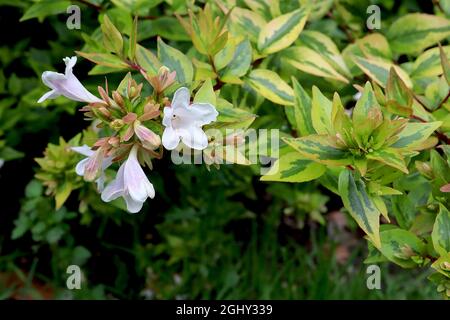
pixel 149 139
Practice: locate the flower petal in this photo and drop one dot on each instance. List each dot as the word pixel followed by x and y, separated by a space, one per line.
pixel 170 138
pixel 67 84
pixel 115 188
pixel 81 167
pixel 167 119
pixel 203 113
pixel 85 150
pixel 133 206
pixel 51 77
pixel 194 137
pixel 70 63
pixel 181 98
pixel 100 183
pixel 135 180
pixel 52 94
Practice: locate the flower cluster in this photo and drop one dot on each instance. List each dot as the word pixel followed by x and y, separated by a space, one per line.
pixel 135 122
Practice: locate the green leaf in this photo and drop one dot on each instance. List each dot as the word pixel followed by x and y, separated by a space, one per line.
pixel 175 60
pixel 341 122
pixel 62 193
pixel 321 112
pixel 379 70
pixel 441 231
pixel 320 148
pixel 271 86
pixel 133 40
pixel 292 167
pixel 441 265
pixel 414 32
pixel 390 157
pixel 400 245
pixel 302 110
pixel 104 59
pixel 445 64
pixel 414 134
pixel 112 39
pixel 282 31
pixel 165 27
pixel 399 96
pixel 367 115
pixel 360 206
pixel 206 94
pixel 45 8
pixel 309 61
pixel 147 60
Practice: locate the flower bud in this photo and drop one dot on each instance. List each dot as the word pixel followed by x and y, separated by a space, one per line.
pixel 117 124
pixel 118 99
pixel 149 139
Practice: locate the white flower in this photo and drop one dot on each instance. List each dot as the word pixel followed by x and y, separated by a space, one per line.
pixel 131 183
pixel 66 85
pixel 183 122
pixel 92 163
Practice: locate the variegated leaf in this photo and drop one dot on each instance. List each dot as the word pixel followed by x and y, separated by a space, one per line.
pixel 302 110
pixel 323 45
pixel 239 64
pixel 320 148
pixel 414 32
pixel 367 115
pixel 282 31
pixel 414 134
pixel 400 245
pixel 428 64
pixel 441 231
pixel 360 206
pixel 292 167
pixel 175 60
pixel 310 61
pixel 247 23
pixel 390 157
pixel 379 70
pixel 321 112
pixel 271 86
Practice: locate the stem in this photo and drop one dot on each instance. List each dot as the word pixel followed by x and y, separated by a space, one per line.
pixel 219 83
pixel 421 103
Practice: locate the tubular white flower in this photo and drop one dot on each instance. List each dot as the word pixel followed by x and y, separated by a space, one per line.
pixel 183 122
pixel 131 183
pixel 66 85
pixel 90 154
